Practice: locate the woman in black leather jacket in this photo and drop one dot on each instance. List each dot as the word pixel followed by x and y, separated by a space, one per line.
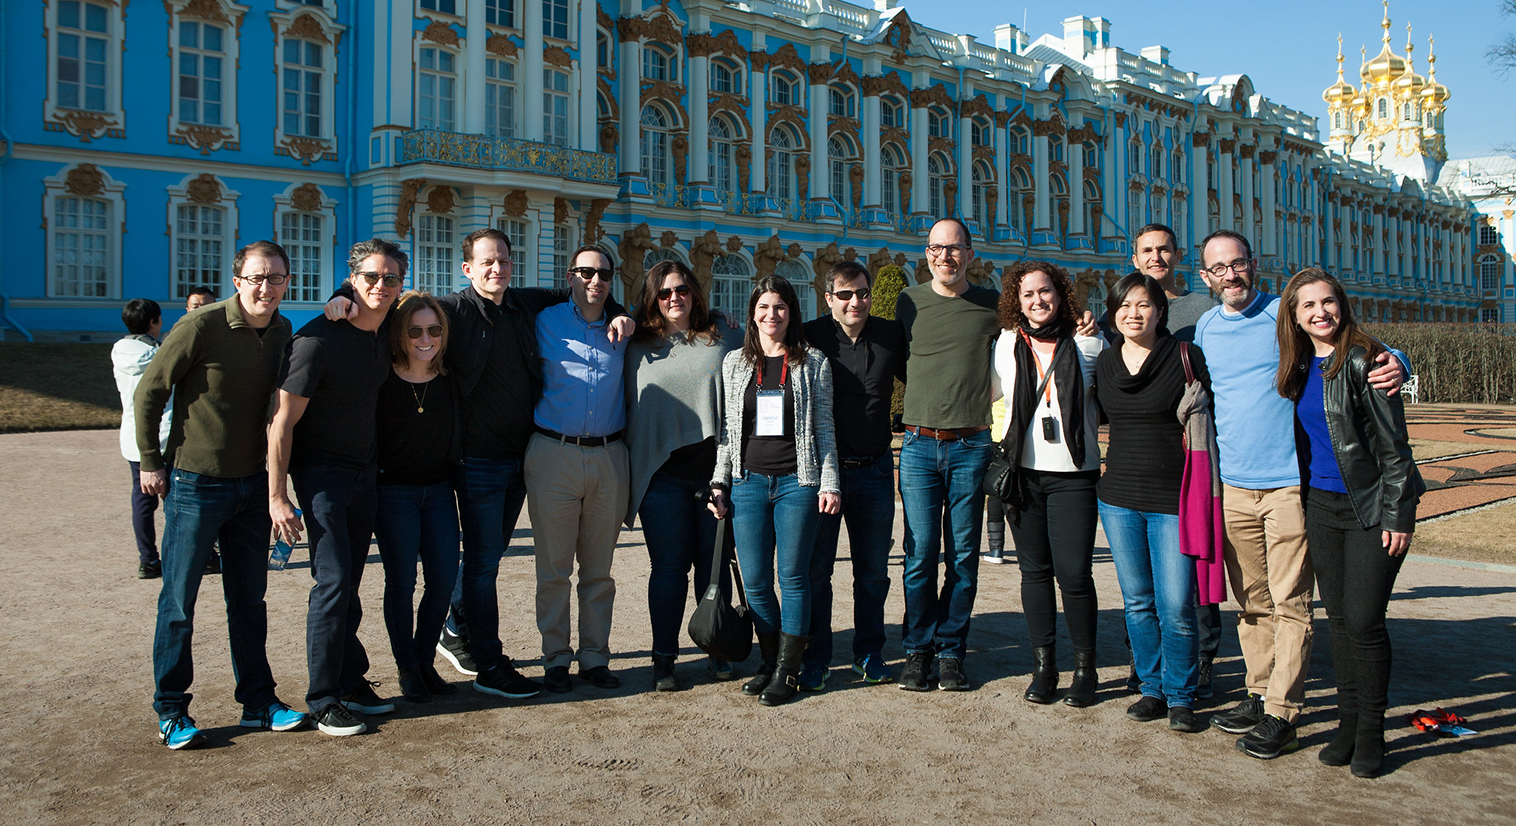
pixel 1362 490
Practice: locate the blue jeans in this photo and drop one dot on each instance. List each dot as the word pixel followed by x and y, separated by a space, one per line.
pixel 414 523
pixel 941 489
pixel 198 511
pixel 339 505
pixel 680 532
pixel 774 519
pixel 1158 588
pixel 868 508
pixel 490 495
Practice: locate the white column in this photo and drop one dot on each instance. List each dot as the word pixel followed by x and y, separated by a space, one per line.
pixel 872 168
pixel 758 124
pixel 473 70
pixel 920 181
pixel 1224 190
pixel 700 120
pixel 1381 258
pixel 1002 175
pixel 1042 213
pixel 1270 241
pixel 1200 197
pixel 1248 215
pixel 1076 186
pixel 399 103
pixel 966 165
pixel 531 68
pixel 816 119
pixel 630 77
pixel 1111 194
pixel 589 76
pixel 1329 232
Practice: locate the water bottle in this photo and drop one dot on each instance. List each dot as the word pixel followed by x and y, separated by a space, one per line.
pixel 282 550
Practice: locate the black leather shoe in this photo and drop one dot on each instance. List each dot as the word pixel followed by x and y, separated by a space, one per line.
pixel 149 570
pixel 600 677
pixel 413 686
pixel 1147 710
pixel 1082 687
pixel 435 683
pixel 1184 719
pixel 556 680
pixel 663 673
pixel 1044 677
pixel 768 651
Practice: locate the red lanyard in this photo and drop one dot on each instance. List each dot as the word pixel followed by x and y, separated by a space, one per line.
pixel 784 372
pixel 1038 362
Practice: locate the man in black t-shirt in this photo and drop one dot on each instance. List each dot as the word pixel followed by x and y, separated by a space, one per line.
pixel 323 434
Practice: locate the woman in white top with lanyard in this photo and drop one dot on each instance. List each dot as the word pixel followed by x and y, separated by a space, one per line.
pixel 1047 375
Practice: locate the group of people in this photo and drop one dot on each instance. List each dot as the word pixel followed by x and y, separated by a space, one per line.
pixel 419 420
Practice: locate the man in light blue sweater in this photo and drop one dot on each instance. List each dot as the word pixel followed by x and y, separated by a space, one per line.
pixel 1266 557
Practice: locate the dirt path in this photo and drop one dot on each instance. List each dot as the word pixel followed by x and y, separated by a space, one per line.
pixel 77 735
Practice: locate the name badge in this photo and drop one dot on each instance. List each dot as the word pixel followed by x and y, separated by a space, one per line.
pixel 770 418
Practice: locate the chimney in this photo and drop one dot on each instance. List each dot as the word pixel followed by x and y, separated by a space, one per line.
pixel 1008 38
pixel 1102 33
pixel 1078 36
pixel 1157 54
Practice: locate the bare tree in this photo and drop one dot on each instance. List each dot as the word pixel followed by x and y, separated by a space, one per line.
pixel 1502 56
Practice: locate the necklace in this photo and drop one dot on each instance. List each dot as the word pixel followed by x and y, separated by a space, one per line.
pixel 421 398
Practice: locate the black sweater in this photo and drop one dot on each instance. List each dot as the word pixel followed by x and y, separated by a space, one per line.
pixel 1144 464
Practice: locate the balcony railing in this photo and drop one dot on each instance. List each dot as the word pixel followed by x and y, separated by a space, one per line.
pixel 509 154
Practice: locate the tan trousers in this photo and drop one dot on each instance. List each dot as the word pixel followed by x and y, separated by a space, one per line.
pixel 576 497
pixel 1272 578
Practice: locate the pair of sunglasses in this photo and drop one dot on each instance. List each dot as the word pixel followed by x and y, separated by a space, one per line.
pixel 373 278
pixel 847 295
pixel 667 292
pixel 433 330
pixel 590 273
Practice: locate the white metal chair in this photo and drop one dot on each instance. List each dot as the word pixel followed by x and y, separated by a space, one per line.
pixel 1409 390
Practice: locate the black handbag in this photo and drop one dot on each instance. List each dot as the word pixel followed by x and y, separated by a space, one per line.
pixel 723 630
pixel 1000 478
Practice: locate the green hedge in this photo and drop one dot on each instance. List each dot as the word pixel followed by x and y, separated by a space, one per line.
pixel 1461 363
pixel 888 283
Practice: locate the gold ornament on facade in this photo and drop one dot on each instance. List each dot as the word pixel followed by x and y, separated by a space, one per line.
pixel 767 257
pixel 825 258
pixel 305 150
pixel 307 27
pixel 85 179
pixel 932 95
pixel 680 148
pixel 898 38
pixel 86 125
pixel 204 189
pixel 408 190
pixel 515 203
pixel 306 198
pixel 668 240
pixel 609 134
pixel 557 56
pixel 592 231
pixel 498 45
pixel 634 247
pixel 703 254
pixel 744 158
pixel 207 10
pixel 204 138
pixel 440 200
pixel 890 82
pixel 560 210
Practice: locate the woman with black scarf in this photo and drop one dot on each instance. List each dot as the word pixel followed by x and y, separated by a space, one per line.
pixel 1047 375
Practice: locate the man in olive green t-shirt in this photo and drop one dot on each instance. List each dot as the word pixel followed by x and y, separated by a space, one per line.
pixel 218 365
pixel 951 326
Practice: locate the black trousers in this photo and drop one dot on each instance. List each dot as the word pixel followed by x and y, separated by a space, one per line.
pixel 1055 539
pixel 1355 575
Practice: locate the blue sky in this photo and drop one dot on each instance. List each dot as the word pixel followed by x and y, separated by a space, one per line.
pixel 1290 49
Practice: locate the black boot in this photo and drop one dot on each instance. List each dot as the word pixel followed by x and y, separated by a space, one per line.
pixel 1082 689
pixel 1368 747
pixel 1340 751
pixel 663 673
pixel 786 679
pixel 768 651
pixel 1044 677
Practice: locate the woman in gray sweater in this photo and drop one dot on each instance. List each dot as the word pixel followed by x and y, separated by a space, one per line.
pixel 778 457
pixel 673 416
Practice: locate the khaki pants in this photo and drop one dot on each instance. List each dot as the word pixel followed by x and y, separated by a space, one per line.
pixel 576 497
pixel 1271 576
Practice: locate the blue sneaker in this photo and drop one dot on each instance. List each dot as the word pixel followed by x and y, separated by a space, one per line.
pixel 277 717
pixel 179 733
pixel 873 669
pixel 813 677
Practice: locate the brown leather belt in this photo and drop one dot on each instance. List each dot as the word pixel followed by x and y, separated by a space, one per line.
pixel 949 435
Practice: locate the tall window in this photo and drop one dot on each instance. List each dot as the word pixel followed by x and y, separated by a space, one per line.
pixel 889 180
pixel 1489 273
pixel 723 77
pixel 982 178
pixel 560 255
pixel 1134 157
pixel 937 173
pixel 500 13
pixel 938 126
pixel 200 59
pixel 83 39
pixel 1134 208
pixel 444 6
pixel 1020 187
pixel 656 64
pixel 891 113
pixel 199 258
pixel 555 18
pixel 80 250
pixel 841 102
pixel 302 87
pixel 436 91
pixel 1488 235
pixel 730 284
pixel 723 171
pixel 1157 171
pixel 781 171
pixel 1019 140
pixel 555 107
pixel 805 295
pixel 842 158
pixel 516 230
pixel 786 90
pixel 1384 108
pixel 434 254
pixel 655 146
pixel 500 98
pixel 303 236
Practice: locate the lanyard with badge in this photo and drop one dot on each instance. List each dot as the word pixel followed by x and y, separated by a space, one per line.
pixel 770 413
pixel 1049 424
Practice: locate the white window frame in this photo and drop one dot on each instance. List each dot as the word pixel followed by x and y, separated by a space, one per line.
pixel 780 175
pixel 563 244
pixel 325 279
pixel 550 96
pixel 519 230
pixel 332 31
pixel 733 72
pixel 109 121
pixel 230 126
pixel 891 113
pixel 796 96
pixel 434 252
pixel 796 273
pixel 722 173
pixel 178 196
pixel 112 194
pixel 503 9
pixel 422 9
pixel 729 287
pixel 657 162
pixel 548 22
pixel 493 87
pixel 440 78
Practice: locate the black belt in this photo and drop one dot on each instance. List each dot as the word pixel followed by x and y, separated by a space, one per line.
pixel 854 463
pixel 582 441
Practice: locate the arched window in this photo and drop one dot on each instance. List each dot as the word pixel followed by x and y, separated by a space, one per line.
pixel 842 157
pixel 981 133
pixel 731 283
pixel 783 147
pixel 983 177
pixel 891 113
pixel 805 294
pixel 655 145
pixel 937 172
pixel 939 124
pixel 892 165
pixel 1384 107
pixel 1336 120
pixel 786 89
pixel 841 102
pixel 723 171
pixel 1021 187
pixel 725 77
pixel 1134 157
pixel 1176 169
pixel 1489 273
pixel 1405 111
pixel 1157 162
pixel 1019 140
pixel 659 64
pixel 1092 205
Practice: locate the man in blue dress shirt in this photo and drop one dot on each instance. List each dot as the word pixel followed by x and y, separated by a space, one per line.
pixel 577 473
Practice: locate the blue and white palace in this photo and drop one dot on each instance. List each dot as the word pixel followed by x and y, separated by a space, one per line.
pixel 143 143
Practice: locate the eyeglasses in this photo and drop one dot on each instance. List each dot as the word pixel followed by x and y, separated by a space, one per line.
pixel 257 280
pixel 590 273
pixel 1239 266
pixel 667 292
pixel 433 330
pixel 951 250
pixel 390 280
pixel 847 295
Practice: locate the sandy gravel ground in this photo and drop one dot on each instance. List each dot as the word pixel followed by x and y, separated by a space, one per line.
pixel 77 730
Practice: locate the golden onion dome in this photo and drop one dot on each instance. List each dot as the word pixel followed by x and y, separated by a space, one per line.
pixel 1409 83
pixel 1386 67
pixel 1340 93
pixel 1434 93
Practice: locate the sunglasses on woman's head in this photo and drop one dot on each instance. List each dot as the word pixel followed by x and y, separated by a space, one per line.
pixel 667 292
pixel 433 330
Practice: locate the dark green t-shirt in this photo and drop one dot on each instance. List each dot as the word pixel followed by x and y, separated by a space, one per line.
pixel 951 341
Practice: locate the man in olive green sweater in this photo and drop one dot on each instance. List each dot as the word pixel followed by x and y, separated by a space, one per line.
pixel 218 365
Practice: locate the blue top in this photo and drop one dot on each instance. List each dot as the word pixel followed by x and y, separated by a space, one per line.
pixel 581 371
pixel 1311 411
pixel 1255 426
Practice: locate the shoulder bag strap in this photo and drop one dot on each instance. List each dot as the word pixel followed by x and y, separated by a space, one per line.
pixel 719 562
pixel 1184 355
